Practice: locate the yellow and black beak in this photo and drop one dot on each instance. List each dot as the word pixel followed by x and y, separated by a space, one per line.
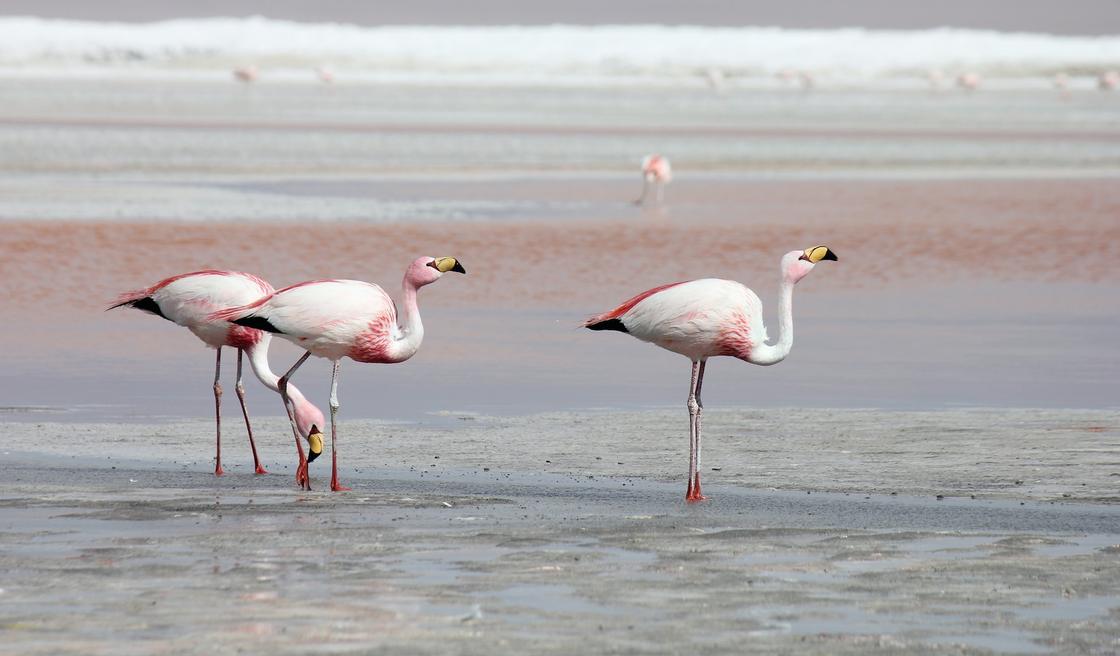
pixel 818 253
pixel 445 264
pixel 314 444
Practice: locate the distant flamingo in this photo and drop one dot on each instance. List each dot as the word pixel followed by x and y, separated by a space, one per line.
pixel 245 74
pixel 715 79
pixel 333 319
pixel 325 74
pixel 1108 80
pixel 1061 84
pixel 935 78
pixel 187 300
pixel 706 318
pixel 969 81
pixel 655 171
pixel 807 81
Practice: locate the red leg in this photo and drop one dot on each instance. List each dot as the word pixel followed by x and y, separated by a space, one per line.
pixel 245 411
pixel 218 471
pixel 693 491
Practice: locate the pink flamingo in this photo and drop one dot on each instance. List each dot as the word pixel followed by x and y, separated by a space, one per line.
pixel 188 299
pixel 326 75
pixel 655 171
pixel 969 81
pixel 337 318
pixel 1108 80
pixel 246 74
pixel 701 319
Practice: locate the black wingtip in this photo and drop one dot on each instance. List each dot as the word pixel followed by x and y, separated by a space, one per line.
pixel 260 323
pixel 609 324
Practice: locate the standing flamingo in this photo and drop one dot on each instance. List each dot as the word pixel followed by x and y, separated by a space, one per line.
pixel 336 318
pixel 325 74
pixel 705 318
pixel 246 74
pixel 188 299
pixel 655 171
pixel 969 81
pixel 1108 80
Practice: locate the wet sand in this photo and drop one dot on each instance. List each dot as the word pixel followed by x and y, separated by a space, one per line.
pixel 824 535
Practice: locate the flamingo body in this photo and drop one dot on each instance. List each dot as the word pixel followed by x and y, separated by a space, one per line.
pixel 697 319
pixel 189 299
pixel 332 319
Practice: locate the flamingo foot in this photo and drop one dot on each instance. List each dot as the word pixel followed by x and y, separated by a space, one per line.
pixel 218 471
pixel 302 479
pixel 694 494
pixel 261 469
pixel 335 487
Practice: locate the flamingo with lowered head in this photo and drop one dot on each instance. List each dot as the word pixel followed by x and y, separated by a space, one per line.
pixel 705 318
pixel 333 319
pixel 188 299
pixel 655 171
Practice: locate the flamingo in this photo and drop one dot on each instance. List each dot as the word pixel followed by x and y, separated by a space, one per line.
pixel 705 318
pixel 655 170
pixel 188 299
pixel 969 81
pixel 1108 80
pixel 935 78
pixel 325 74
pixel 245 74
pixel 336 318
pixel 1061 85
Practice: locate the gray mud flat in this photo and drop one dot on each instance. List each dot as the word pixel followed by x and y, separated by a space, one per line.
pixel 116 539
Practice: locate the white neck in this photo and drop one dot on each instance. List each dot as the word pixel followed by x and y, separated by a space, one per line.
pixel 258 362
pixel 768 354
pixel 411 328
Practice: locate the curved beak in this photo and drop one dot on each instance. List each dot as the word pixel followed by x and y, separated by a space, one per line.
pixel 818 253
pixel 445 264
pixel 314 444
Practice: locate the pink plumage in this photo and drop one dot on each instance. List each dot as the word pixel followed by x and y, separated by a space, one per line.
pixel 189 300
pixel 334 319
pixel 656 171
pixel 701 319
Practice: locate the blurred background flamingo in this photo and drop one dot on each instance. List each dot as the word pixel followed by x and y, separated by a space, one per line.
pixel 656 171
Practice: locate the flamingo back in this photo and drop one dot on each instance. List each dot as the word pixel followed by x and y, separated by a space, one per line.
pixel 327 317
pixel 700 319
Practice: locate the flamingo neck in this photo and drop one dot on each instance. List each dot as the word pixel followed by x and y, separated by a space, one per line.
pixel 258 362
pixel 409 326
pixel 768 354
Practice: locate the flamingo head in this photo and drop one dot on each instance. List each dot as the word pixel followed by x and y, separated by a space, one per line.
pixel 797 264
pixel 426 270
pixel 310 421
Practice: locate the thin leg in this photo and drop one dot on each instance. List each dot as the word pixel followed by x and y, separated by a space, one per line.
pixel 218 415
pixel 699 432
pixel 245 411
pixel 660 192
pixel 693 493
pixel 645 187
pixel 302 479
pixel 335 487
